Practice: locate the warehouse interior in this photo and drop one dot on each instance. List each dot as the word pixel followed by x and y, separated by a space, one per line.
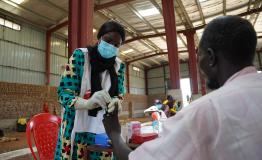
pixel 37 38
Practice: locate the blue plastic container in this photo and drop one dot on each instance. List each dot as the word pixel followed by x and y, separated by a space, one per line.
pixel 102 140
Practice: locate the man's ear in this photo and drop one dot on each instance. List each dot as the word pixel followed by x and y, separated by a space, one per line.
pixel 212 59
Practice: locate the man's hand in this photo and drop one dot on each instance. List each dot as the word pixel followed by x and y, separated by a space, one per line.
pixel 113 130
pixel 111 123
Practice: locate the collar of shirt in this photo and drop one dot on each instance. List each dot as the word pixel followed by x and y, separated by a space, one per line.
pixel 244 71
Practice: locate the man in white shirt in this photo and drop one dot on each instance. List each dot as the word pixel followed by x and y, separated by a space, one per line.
pixel 226 123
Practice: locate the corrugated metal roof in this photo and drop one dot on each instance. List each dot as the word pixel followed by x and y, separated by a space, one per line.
pixel 189 13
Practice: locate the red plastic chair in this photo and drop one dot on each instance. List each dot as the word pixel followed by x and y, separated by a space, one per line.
pixel 44 128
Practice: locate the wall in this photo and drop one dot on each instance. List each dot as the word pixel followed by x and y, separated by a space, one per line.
pixel 256 62
pixel 158 78
pixel 22 55
pixel 137 80
pixel 24 100
pixel 134 105
pixel 59 54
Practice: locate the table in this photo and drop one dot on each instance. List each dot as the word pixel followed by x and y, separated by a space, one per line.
pixel 97 148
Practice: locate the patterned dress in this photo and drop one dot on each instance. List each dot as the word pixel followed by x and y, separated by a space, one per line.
pixel 70 86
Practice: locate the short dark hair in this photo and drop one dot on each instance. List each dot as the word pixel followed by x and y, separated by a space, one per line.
pixel 111 26
pixel 232 36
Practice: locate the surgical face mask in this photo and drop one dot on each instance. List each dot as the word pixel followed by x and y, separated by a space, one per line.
pixel 107 50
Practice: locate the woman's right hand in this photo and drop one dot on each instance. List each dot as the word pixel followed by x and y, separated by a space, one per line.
pixel 101 98
pixel 98 99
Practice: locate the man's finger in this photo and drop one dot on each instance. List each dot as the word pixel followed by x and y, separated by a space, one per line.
pixel 115 112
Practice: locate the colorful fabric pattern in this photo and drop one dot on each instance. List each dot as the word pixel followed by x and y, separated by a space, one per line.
pixel 69 88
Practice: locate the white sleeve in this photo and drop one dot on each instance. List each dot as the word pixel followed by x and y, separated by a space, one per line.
pixel 174 142
pixel 186 136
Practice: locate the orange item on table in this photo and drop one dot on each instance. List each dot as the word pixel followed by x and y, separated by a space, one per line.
pixel 155 116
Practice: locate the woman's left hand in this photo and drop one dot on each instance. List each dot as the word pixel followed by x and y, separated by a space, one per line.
pixel 115 102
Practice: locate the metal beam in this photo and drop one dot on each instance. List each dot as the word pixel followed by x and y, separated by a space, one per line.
pixel 47 57
pixel 143 19
pixel 195 28
pixel 224 7
pixel 200 11
pixel 248 7
pixel 212 15
pixel 192 65
pixel 256 17
pixel 259 61
pixel 152 55
pixel 144 63
pixel 255 21
pixel 182 40
pixel 153 60
pixel 187 18
pixel 185 14
pixel 59 26
pixel 85 23
pixel 160 34
pixel 29 11
pixel 146 82
pixel 157 6
pixel 127 78
pixel 21 19
pixel 165 64
pixel 103 6
pixel 111 4
pixel 145 57
pixel 256 10
pixel 52 4
pixel 73 26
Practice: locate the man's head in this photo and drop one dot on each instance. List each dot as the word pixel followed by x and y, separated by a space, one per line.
pixel 227 45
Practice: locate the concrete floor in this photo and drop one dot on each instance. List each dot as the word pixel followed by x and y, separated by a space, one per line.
pixel 21 143
pixel 14 145
pixel 25 157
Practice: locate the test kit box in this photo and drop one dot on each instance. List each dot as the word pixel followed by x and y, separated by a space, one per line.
pixel 133 127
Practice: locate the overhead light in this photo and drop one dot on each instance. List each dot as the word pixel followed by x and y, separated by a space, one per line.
pixel 136 69
pixel 2 21
pixel 56 43
pixel 94 30
pixel 18 1
pixel 258 71
pixel 149 12
pixel 160 56
pixel 127 51
pixel 202 1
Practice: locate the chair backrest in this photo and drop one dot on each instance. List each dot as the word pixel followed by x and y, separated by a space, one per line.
pixel 44 128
